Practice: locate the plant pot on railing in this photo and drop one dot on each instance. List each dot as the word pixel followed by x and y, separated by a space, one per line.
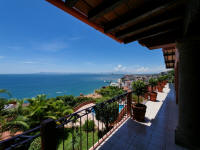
pixel 139 111
pixel 149 88
pixel 146 95
pixel 154 88
pixel 153 96
pixel 159 87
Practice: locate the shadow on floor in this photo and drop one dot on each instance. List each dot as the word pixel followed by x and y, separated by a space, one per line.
pixel 159 136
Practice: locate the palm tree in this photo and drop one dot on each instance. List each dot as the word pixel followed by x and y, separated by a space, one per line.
pixel 6 92
pixel 20 123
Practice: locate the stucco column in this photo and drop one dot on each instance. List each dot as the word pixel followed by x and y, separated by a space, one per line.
pixel 188 130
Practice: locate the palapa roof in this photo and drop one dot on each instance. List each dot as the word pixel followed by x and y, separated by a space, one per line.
pixel 154 23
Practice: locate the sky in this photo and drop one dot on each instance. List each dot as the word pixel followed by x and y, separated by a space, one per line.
pixel 35 36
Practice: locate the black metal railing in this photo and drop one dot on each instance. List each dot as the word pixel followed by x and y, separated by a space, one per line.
pixel 21 141
pixel 84 129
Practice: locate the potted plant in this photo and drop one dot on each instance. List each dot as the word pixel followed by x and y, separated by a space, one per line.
pixel 139 110
pixel 160 85
pixel 165 77
pixel 153 95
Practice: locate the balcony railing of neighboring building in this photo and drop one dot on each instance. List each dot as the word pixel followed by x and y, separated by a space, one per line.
pixel 84 129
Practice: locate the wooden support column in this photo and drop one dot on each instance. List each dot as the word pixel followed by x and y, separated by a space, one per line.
pixel 48 135
pixel 176 74
pixel 188 132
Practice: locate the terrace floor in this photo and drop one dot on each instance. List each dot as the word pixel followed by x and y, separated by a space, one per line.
pixel 157 133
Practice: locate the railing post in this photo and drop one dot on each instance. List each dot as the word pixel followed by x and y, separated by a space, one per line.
pixel 48 134
pixel 129 102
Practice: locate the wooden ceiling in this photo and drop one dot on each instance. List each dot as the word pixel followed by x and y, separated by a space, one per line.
pixel 153 23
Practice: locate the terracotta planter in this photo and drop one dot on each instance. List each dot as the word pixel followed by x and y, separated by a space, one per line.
pixel 146 95
pixel 139 111
pixel 154 88
pixel 153 96
pixel 149 89
pixel 160 88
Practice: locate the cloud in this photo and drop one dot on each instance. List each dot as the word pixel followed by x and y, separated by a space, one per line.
pixel 29 62
pixel 15 47
pixel 75 38
pixel 143 69
pixel 1 57
pixel 52 46
pixel 89 63
pixel 120 68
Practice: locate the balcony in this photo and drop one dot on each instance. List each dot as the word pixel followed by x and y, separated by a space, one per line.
pixel 157 133
pixel 120 132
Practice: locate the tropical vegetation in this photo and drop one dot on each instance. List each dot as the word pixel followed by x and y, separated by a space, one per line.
pixel 28 113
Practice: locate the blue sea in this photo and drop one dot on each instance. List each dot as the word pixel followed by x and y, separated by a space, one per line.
pixel 30 85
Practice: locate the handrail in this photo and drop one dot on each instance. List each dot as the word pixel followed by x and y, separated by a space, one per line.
pixel 27 138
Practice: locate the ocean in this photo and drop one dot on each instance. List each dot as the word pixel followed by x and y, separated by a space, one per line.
pixel 30 85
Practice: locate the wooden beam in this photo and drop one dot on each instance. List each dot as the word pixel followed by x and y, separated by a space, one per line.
pixel 134 31
pixel 169 48
pixel 153 44
pixel 192 23
pixel 160 40
pixel 147 35
pixel 170 61
pixel 105 7
pixel 169 66
pixel 71 3
pixel 146 15
pixel 60 4
pixel 169 54
pixel 156 46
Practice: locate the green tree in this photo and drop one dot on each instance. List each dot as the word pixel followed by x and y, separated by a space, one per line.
pixel 153 82
pixel 139 88
pixel 107 113
pixel 89 125
pixel 19 123
pixel 3 101
pixel 110 91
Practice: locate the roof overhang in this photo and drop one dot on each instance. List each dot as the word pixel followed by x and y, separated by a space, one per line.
pixel 154 23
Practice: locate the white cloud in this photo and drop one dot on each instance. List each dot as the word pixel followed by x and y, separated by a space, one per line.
pixel 15 47
pixel 120 68
pixel 52 46
pixel 143 69
pixel 1 57
pixel 75 38
pixel 29 62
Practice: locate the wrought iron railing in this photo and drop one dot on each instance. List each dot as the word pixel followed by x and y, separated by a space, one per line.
pixel 84 129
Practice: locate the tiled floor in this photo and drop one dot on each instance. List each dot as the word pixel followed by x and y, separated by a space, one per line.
pixel 156 135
